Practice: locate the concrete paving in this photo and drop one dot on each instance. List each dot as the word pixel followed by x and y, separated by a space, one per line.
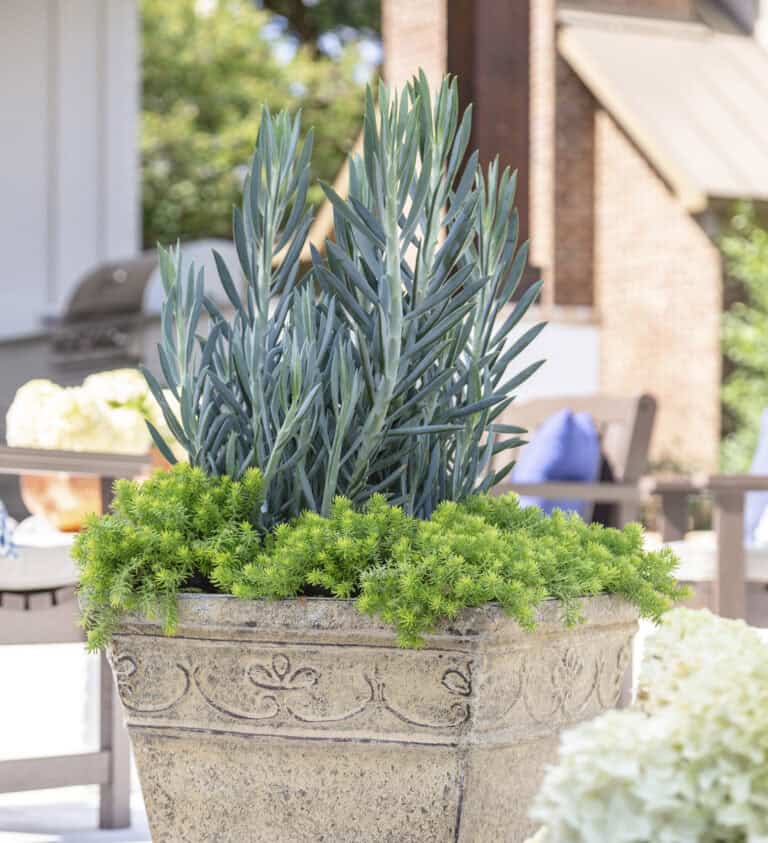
pixel 67 815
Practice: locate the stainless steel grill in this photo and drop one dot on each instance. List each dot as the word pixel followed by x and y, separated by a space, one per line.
pixel 104 327
pixel 105 320
pixel 111 321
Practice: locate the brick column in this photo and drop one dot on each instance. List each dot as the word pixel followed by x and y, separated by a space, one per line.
pixel 489 47
pixel 414 35
pixel 503 54
pixel 574 203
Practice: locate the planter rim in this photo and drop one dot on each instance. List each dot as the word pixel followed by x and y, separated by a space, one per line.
pixel 325 618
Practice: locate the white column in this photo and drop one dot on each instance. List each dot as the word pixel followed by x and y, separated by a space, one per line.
pixel 121 90
pixel 69 174
pixel 24 162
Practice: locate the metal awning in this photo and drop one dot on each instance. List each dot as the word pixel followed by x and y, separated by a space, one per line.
pixel 692 96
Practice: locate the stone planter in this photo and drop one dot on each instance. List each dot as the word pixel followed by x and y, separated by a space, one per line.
pixel 302 720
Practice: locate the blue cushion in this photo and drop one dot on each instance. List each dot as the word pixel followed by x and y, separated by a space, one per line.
pixel 755 503
pixel 565 448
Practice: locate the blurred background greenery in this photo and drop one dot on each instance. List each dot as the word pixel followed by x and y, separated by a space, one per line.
pixel 209 65
pixel 745 331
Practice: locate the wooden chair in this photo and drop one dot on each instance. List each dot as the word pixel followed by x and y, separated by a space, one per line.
pixel 730 595
pixel 625 426
pixel 49 616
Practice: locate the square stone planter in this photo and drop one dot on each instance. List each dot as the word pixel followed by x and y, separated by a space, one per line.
pixel 302 720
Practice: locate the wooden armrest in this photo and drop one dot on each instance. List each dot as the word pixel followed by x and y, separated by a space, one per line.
pixel 596 492
pixel 698 483
pixel 738 483
pixel 675 491
pixel 675 485
pixel 40 461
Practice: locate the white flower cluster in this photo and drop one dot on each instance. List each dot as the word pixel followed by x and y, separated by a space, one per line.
pixel 106 413
pixel 688 764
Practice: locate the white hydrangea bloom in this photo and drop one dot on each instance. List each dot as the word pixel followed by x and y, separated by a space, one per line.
pixel 107 413
pixel 689 764
pixel 118 387
pixel 26 417
pixel 76 421
pixel 685 645
pixel 130 431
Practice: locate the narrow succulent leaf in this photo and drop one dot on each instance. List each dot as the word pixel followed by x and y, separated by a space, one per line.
pixel 518 312
pixel 447 290
pixel 519 345
pixel 161 444
pixel 507 444
pixel 475 407
pixel 241 242
pixel 337 288
pixel 422 429
pixel 347 213
pixel 170 417
pixel 227 282
pixel 506 429
pixel 520 377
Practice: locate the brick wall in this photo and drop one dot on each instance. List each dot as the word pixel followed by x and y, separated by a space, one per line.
pixel 542 178
pixel 415 35
pixel 574 222
pixel 659 300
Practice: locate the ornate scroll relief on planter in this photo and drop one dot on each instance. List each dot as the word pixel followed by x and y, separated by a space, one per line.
pixel 301 720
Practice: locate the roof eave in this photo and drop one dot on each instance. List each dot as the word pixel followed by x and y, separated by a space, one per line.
pixel 691 196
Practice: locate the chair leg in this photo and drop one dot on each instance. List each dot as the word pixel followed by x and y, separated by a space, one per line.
pixel 731 565
pixel 626 513
pixel 115 795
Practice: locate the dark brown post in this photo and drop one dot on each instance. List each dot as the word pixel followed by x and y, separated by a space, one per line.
pixel 674 516
pixel 489 49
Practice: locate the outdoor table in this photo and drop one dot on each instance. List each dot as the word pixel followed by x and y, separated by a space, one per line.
pixel 728 494
pixel 46 612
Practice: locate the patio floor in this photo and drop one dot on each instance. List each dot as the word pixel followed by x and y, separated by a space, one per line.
pixel 67 815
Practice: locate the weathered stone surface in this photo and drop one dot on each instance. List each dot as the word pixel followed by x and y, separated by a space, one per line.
pixel 302 720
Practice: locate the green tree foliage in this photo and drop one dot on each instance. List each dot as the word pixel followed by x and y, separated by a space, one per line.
pixel 311 18
pixel 745 337
pixel 204 79
pixel 183 529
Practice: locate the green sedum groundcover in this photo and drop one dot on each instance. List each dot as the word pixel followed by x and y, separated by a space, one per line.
pixel 183 530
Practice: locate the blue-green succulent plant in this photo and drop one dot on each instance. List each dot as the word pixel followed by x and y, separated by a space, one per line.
pixel 386 365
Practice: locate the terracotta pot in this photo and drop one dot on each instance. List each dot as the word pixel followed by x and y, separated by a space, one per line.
pixel 157 460
pixel 64 499
pixel 299 720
